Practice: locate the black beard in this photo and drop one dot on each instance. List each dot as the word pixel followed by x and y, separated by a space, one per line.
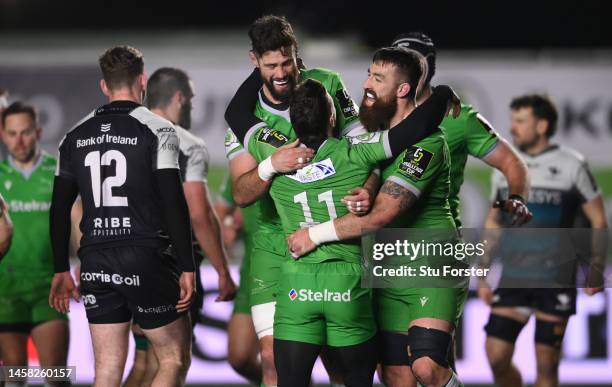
pixel 185 116
pixel 285 96
pixel 377 116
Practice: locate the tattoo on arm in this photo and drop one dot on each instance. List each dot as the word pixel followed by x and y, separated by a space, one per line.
pixel 397 192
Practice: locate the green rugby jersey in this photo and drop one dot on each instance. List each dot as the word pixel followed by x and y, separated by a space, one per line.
pixel 424 170
pixel 313 194
pixel 277 122
pixel 28 196
pixel 468 134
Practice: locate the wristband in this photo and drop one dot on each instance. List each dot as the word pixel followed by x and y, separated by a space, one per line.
pixel 516 197
pixel 266 170
pixel 322 233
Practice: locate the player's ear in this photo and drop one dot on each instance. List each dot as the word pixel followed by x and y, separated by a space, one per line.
pixel 253 58
pixel 142 78
pixel 332 119
pixel 104 88
pixel 38 133
pixel 541 127
pixel 403 90
pixel 332 111
pixel 178 98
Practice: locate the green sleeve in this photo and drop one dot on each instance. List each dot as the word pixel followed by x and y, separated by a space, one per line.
pixel 233 147
pixel 369 149
pixel 347 115
pixel 418 166
pixel 264 142
pixel 480 136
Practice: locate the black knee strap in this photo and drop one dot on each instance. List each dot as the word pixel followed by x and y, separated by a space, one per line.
pixel 393 348
pixel 503 328
pixel 549 333
pixel 432 343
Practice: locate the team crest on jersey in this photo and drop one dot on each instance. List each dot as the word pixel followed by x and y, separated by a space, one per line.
pixel 366 138
pixel 231 141
pixel 346 104
pixel 8 184
pixel 272 137
pixel 314 172
pixel 105 127
pixel 415 162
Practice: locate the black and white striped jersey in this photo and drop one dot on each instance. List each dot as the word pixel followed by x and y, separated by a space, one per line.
pixel 112 155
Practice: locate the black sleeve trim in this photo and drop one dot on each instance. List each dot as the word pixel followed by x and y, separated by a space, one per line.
pixel 239 113
pixel 176 215
pixel 65 192
pixel 422 122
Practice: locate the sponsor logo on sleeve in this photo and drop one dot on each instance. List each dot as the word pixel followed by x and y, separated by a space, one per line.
pixel 272 137
pixel 415 162
pixel 231 141
pixel 346 104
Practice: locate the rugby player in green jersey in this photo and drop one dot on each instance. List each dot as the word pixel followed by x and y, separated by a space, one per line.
pixel 321 301
pixel 471 134
pixel 242 345
pixel 274 53
pixel 26 182
pixel 422 319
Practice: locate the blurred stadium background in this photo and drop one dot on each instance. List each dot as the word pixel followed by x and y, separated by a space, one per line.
pixel 488 51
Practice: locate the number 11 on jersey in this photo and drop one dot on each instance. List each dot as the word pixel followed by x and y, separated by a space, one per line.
pixel 326 197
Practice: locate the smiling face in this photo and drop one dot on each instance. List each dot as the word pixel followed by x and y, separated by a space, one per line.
pixel 380 90
pixel 279 72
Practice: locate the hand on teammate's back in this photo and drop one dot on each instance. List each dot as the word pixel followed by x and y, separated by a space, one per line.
pixel 299 243
pixel 357 201
pixel 62 288
pixel 291 157
pixel 227 288
pixel 187 285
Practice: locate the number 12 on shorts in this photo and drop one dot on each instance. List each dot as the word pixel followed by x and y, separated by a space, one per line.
pixel 94 162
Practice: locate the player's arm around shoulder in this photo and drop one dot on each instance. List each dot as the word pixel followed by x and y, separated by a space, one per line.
pixel 269 152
